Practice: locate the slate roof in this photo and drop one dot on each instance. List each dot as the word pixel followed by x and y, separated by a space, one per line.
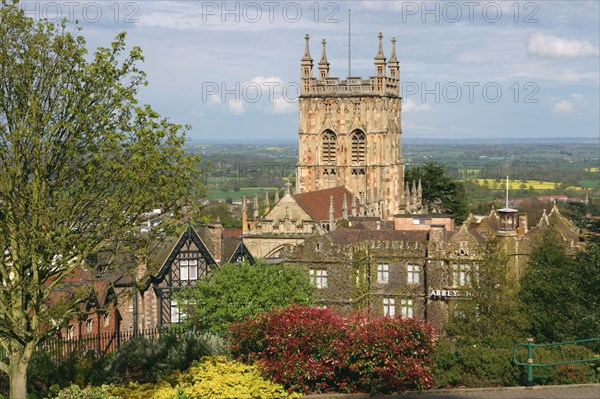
pixel 316 203
pixel 345 236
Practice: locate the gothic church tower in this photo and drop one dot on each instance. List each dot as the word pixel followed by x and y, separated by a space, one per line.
pixel 350 133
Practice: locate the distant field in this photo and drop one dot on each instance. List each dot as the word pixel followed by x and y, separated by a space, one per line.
pixel 596 170
pixel 589 183
pixel 516 184
pixel 237 195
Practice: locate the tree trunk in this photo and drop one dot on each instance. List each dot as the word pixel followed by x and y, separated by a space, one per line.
pixel 17 373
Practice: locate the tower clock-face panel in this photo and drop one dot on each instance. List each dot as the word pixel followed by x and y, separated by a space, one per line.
pixel 350 132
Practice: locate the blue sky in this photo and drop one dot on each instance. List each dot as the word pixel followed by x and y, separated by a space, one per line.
pixel 469 69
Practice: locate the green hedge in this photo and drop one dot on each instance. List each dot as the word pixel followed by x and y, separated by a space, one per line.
pixel 476 367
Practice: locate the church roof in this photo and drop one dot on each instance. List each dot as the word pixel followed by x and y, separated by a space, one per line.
pixel 316 203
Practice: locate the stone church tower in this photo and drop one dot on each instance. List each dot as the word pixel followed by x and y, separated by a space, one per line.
pixel 350 133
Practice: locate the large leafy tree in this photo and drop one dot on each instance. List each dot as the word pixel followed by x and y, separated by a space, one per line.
pixel 80 162
pixel 560 293
pixel 440 191
pixel 238 290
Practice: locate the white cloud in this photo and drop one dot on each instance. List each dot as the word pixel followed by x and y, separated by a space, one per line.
pixel 236 107
pixel 275 96
pixel 550 46
pixel 567 106
pixel 563 107
pixel 411 106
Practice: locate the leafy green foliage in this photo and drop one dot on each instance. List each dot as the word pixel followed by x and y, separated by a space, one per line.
pixel 476 366
pixel 141 359
pixel 238 290
pixel 146 360
pixel 80 164
pixel 492 317
pixel 219 210
pixel 560 293
pixel 439 190
pixel 78 367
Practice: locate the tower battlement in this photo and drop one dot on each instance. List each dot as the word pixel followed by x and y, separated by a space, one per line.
pixel 385 82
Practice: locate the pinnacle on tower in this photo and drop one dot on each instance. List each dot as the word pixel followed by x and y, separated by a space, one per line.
pixel 276 196
pixel 393 58
pixel 344 207
pixel 323 64
pixel 394 65
pixel 307 58
pixel 380 67
pixel 354 205
pixel 380 56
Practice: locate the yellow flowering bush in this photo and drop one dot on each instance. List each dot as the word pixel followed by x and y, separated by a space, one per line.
pixel 212 377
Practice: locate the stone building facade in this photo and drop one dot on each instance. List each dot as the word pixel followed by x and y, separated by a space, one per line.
pixel 416 272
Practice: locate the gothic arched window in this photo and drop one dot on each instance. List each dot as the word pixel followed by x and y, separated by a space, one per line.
pixel 329 147
pixel 358 147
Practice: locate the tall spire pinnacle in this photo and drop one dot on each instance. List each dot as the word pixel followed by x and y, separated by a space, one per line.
pixel 307 56
pixel 331 214
pixel 323 64
pixel 276 196
pixel 380 55
pixel 353 205
pixel 255 206
pixel 323 54
pixel 345 207
pixel 393 58
pixel 267 205
pixel 288 185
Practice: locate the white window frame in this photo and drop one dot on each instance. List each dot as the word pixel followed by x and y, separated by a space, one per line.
pixel 408 307
pixel 177 313
pixel 188 269
pixel 106 319
pixel 461 275
pixel 383 273
pixel 389 307
pixel 318 278
pixel 413 274
pixel 89 326
pixel 70 331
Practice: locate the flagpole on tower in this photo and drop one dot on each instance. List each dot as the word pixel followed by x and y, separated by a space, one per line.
pixel 349 50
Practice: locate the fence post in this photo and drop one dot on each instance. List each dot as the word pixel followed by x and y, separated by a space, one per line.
pixel 529 362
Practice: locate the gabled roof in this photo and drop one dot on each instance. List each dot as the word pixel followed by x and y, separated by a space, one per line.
pixel 189 234
pixel 241 252
pixel 316 203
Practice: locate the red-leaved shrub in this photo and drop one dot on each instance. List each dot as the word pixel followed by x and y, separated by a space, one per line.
pixel 316 350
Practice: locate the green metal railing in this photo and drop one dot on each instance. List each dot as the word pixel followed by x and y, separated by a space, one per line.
pixel 531 364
